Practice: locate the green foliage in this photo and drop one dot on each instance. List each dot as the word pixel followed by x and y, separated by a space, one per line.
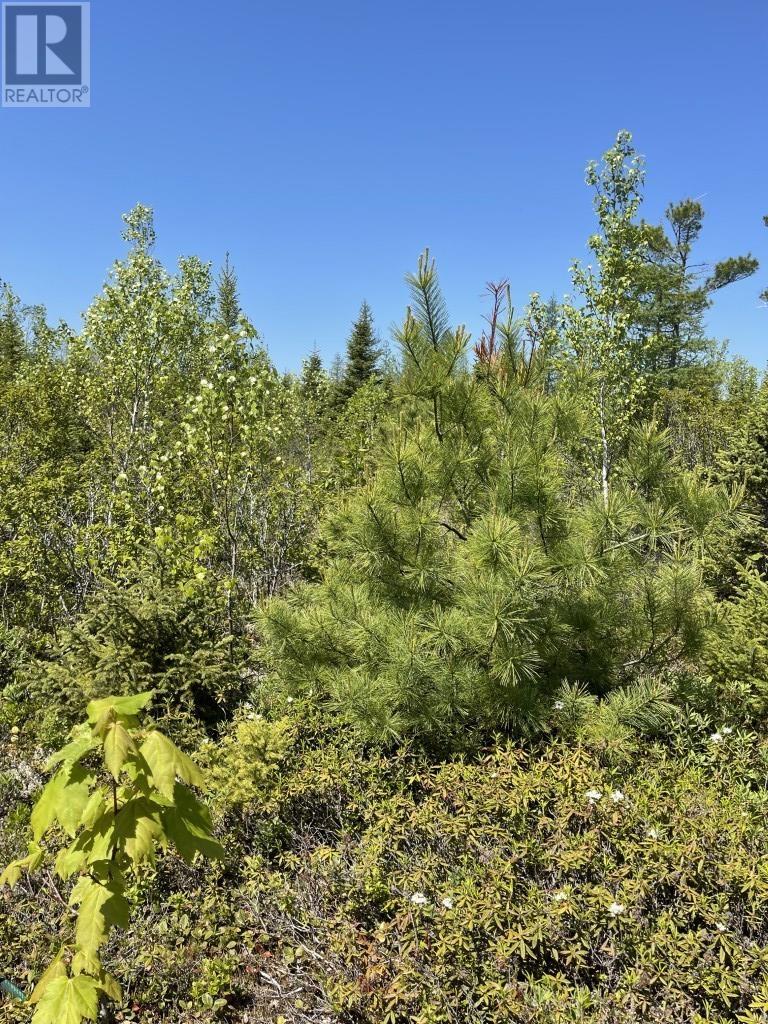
pixel 735 660
pixel 362 354
pixel 537 576
pixel 13 347
pixel 634 338
pixel 228 303
pixel 529 881
pixel 167 631
pixel 470 576
pixel 115 817
pixel 743 459
pixel 243 765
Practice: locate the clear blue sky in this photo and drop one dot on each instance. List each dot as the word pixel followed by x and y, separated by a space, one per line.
pixel 324 144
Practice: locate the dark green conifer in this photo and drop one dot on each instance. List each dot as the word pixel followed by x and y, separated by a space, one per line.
pixel 12 343
pixel 363 353
pixel 228 300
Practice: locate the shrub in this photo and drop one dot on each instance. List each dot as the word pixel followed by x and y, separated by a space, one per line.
pixel 530 882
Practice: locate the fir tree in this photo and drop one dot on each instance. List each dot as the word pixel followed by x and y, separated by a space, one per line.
pixel 362 354
pixel 314 380
pixel 336 370
pixel 12 342
pixel 228 302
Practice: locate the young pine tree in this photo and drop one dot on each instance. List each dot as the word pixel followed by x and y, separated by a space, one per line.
pixel 470 576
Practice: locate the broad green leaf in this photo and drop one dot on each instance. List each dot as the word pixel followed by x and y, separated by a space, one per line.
pixel 94 843
pixel 73 751
pixel 86 962
pixel 138 825
pixel 95 807
pixel 35 858
pixel 63 799
pixel 100 907
pixel 55 969
pixel 68 1001
pixel 188 826
pixel 44 811
pixel 12 873
pixel 167 762
pixel 110 986
pixel 123 707
pixel 68 861
pixel 74 797
pixel 101 838
pixel 117 744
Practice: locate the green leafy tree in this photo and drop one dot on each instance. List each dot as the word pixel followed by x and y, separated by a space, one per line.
pixel 604 357
pixel 636 331
pixel 119 794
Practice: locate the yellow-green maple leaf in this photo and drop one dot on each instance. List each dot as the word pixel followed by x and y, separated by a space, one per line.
pixel 167 763
pixel 68 1001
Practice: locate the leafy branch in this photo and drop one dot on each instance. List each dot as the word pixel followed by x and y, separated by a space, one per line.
pixel 119 793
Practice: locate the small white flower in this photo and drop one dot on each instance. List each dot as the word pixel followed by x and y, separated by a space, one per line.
pixel 593 795
pixel 617 796
pixel 559 705
pixel 716 737
pixel 289 700
pixel 559 897
pixel 447 902
pixel 419 899
pixel 720 927
pixel 726 730
pixel 652 833
pixel 616 909
pixel 211 348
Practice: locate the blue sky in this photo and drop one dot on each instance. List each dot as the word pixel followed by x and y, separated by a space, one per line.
pixel 325 144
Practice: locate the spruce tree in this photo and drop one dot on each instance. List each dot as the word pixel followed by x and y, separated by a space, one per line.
pixel 12 343
pixel 228 302
pixel 362 354
pixel 314 380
